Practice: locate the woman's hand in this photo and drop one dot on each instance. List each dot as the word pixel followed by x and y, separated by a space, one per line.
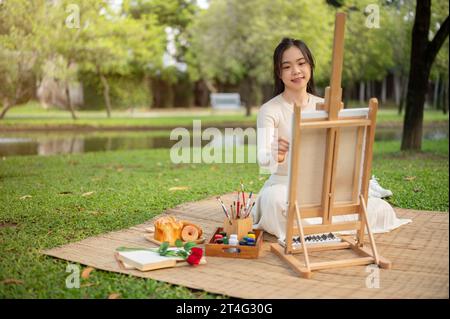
pixel 283 148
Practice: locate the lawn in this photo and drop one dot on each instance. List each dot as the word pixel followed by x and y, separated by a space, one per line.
pixel 32 115
pixel 51 201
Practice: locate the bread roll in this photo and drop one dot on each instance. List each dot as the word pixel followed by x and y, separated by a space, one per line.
pixel 167 228
pixel 189 233
pixel 188 223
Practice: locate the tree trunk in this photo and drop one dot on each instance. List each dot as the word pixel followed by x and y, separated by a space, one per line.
pixel 169 96
pixel 7 104
pixel 445 96
pixel 383 91
pixel 106 94
pixel 361 92
pixel 368 93
pixel 6 107
pixel 404 90
pixel 69 101
pixel 253 96
pixel 201 93
pixel 412 125
pixel 346 92
pixel 436 94
pixel 397 89
pixel 373 89
pixel 211 87
pixel 423 54
pixel 148 85
pixel 155 84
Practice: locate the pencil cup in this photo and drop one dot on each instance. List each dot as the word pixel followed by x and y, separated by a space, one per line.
pixel 238 226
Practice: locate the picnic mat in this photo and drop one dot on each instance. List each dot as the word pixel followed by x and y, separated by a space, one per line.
pixel 419 253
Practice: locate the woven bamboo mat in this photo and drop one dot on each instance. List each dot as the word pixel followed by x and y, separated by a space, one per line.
pixel 419 252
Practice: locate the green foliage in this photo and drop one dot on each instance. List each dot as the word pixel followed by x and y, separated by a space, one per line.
pixel 178 243
pixel 439 11
pixel 164 250
pixel 236 39
pixel 112 44
pixel 37 39
pixel 175 14
pixel 22 28
pixel 369 48
pixel 184 252
pixel 249 31
pixel 126 92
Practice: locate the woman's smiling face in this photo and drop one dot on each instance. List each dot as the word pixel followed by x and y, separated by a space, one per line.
pixel 295 70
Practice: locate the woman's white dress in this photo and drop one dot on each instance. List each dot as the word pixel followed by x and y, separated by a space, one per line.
pixel 269 212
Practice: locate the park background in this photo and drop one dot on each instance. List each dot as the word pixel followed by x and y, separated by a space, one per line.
pixel 90 91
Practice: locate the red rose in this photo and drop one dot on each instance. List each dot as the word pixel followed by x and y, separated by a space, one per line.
pixel 195 256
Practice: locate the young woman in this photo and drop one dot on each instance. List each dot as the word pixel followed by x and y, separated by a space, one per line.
pixel 294 83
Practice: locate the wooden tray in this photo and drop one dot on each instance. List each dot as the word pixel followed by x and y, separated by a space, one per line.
pixel 151 237
pixel 247 252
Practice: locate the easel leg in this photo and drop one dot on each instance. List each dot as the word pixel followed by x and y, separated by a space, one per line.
pixel 302 236
pixel 360 233
pixel 369 231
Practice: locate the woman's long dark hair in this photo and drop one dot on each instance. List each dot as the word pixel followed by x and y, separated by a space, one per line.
pixel 285 44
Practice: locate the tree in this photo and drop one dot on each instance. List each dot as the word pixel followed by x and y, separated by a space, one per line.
pixel 174 16
pixel 21 48
pixel 63 29
pixel 439 74
pixel 38 37
pixel 368 51
pixel 439 70
pixel 401 19
pixel 233 41
pixel 116 44
pixel 423 53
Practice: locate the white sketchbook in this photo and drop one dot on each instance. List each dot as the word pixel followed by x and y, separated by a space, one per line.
pixel 145 260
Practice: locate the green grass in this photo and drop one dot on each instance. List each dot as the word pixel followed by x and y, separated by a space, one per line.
pixel 418 180
pixel 392 116
pixel 122 120
pixel 131 187
pixel 32 115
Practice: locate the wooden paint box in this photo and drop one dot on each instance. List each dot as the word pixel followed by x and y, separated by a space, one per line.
pixel 239 251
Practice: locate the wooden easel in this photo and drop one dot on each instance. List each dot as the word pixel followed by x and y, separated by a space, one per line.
pixel 343 184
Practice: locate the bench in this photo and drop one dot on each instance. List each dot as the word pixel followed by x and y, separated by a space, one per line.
pixel 225 101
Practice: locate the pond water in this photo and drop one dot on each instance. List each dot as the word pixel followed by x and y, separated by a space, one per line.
pixel 16 144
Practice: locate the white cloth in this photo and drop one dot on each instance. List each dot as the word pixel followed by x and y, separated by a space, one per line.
pixel 270 210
